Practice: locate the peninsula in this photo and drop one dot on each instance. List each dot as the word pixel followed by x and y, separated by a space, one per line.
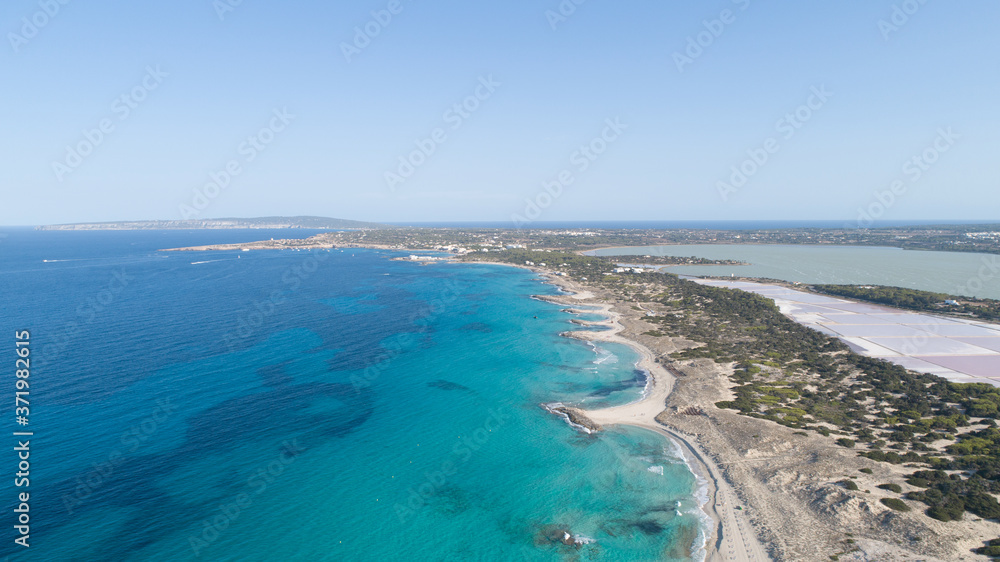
pixel 811 451
pixel 951 238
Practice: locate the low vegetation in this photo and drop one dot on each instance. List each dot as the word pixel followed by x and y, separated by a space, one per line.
pixel 893 503
pixel 923 301
pixel 791 375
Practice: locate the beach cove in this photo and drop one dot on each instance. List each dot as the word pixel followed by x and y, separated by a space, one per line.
pixel 728 537
pixel 775 493
pixel 385 402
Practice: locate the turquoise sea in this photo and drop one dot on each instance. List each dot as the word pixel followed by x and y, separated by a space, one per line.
pixel 284 405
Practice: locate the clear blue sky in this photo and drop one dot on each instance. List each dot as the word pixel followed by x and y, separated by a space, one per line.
pixel 893 91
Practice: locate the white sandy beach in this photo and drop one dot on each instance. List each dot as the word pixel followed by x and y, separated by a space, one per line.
pixel 737 540
pixel 774 493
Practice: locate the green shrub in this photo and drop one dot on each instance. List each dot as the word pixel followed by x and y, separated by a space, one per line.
pixel 850 485
pixel 991 549
pixel 845 442
pixel 943 507
pixel 866 470
pixel 891 487
pixel 944 513
pixel 983 505
pixel 893 503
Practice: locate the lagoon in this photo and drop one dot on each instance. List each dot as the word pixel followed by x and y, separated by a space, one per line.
pixel 960 273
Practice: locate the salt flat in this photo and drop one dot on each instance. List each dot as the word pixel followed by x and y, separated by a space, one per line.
pixel 954 348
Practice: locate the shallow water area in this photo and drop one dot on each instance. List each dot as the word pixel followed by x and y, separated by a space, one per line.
pixel 357 407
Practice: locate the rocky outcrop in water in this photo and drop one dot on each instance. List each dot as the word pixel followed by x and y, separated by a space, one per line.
pixel 577 417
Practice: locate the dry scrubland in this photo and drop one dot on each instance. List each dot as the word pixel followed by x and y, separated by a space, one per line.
pixel 804 495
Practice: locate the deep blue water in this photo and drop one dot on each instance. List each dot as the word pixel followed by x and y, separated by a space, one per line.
pixel 284 405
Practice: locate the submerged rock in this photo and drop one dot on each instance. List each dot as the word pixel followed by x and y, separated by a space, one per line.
pixel 448 385
pixel 560 534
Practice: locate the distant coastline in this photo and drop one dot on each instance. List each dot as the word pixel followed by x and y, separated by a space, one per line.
pixel 304 222
pixel 755 514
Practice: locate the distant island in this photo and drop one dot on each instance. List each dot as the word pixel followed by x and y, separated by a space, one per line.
pixel 228 223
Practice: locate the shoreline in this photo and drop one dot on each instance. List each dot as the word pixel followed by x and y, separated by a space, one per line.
pixel 773 493
pixel 790 481
pixel 759 509
pixel 721 540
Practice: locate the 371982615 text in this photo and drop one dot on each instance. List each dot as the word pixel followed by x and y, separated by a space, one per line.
pixel 22 372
